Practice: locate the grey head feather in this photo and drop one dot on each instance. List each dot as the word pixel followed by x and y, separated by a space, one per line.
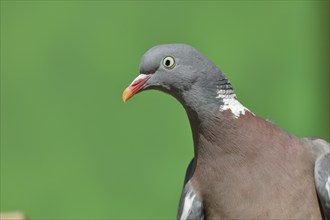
pixel 194 80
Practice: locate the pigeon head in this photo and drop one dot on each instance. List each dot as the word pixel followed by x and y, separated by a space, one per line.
pixel 177 69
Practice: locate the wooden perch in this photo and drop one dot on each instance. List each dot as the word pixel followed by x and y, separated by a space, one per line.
pixel 12 216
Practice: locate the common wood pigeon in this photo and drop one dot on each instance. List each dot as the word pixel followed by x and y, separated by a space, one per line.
pixel 243 166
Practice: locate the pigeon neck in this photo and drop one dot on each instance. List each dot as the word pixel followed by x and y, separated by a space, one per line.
pixel 211 124
pixel 211 108
pixel 204 100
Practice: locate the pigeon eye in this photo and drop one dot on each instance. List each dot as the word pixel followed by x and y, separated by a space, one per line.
pixel 168 62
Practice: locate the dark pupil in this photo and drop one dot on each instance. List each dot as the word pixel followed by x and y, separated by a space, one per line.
pixel 167 62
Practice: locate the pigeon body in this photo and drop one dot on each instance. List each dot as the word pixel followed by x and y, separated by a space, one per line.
pixel 243 166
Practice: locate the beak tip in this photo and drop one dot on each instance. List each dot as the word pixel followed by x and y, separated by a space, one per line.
pixel 127 94
pixel 135 86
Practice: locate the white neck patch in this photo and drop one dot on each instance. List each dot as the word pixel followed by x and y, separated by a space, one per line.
pixel 230 102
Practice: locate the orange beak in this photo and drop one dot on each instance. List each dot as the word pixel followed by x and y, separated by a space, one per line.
pixel 135 86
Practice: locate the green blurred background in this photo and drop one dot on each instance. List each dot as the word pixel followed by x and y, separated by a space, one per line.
pixel 71 149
